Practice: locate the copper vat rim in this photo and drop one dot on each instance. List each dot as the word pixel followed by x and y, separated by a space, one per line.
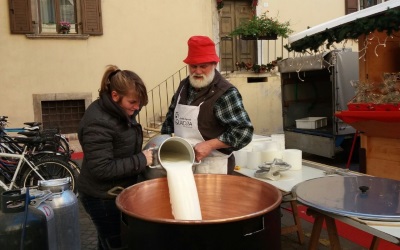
pixel 272 207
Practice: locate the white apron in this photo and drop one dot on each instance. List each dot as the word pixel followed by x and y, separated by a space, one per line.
pixel 186 126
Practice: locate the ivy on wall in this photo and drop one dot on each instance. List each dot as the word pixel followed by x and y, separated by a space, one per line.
pixel 388 22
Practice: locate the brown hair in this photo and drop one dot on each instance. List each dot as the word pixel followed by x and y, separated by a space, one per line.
pixel 122 81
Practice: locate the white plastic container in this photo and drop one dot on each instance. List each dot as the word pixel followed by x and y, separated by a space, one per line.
pixel 241 158
pixel 270 155
pixel 280 139
pixel 253 159
pixel 311 122
pixel 294 158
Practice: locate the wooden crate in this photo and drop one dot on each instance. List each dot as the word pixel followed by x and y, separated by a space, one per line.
pixel 382 156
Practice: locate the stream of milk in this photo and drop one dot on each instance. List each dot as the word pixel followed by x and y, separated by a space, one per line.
pixel 182 186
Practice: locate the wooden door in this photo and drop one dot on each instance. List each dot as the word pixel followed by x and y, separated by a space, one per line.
pixel 233 49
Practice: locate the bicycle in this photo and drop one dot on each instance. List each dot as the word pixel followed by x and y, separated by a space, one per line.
pixel 54 143
pixel 28 170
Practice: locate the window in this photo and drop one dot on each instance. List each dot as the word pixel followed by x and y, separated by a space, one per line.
pixel 44 16
pixel 61 110
pixel 368 3
pixel 355 5
pixel 64 115
pixel 50 17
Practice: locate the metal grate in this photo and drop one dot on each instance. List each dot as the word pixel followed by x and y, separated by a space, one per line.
pixel 64 115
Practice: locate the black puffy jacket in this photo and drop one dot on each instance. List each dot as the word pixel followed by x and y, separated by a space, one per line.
pixel 112 145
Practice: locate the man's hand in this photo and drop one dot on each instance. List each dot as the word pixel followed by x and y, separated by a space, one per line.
pixel 203 149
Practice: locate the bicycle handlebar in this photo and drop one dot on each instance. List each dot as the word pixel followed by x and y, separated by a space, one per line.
pixel 3 118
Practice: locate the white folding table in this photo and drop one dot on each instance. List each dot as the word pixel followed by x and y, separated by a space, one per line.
pixel 310 170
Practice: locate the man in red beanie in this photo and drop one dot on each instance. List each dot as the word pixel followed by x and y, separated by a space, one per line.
pixel 208 111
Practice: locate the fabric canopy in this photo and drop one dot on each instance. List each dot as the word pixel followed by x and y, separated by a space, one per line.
pixel 370 11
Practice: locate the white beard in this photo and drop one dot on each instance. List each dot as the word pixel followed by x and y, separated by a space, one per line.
pixel 201 83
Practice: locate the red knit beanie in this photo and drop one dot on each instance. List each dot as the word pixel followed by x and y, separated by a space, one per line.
pixel 201 50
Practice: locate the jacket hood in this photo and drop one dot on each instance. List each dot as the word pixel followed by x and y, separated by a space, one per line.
pixel 115 110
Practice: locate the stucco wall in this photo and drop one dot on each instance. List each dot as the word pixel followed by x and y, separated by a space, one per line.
pixel 148 37
pixel 262 100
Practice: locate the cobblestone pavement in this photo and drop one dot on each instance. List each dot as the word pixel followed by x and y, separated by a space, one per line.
pixel 88 235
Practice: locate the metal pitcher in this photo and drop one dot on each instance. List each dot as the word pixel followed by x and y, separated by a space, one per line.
pixel 166 143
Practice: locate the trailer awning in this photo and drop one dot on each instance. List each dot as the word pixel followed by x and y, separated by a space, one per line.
pixel 368 13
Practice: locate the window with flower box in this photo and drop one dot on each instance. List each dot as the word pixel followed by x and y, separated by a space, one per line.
pixel 55 16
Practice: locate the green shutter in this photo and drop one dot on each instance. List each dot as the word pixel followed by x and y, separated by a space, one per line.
pixel 20 16
pixel 91 17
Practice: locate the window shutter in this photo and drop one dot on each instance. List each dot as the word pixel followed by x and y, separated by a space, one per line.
pixel 20 16
pixel 351 6
pixel 91 17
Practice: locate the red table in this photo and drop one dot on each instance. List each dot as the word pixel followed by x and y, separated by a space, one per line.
pixel 373 123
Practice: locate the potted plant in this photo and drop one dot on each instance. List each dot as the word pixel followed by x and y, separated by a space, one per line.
pixel 262 28
pixel 65 26
pixel 265 67
pixel 220 5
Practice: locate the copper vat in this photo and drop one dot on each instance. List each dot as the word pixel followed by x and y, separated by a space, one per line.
pixel 238 213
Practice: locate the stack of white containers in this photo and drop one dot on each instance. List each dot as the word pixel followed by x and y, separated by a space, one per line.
pixel 294 158
pixel 266 149
pixel 261 149
pixel 280 139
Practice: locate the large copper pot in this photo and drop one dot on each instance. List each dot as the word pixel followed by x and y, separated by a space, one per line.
pixel 238 213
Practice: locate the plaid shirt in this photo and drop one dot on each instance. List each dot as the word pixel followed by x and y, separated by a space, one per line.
pixel 229 111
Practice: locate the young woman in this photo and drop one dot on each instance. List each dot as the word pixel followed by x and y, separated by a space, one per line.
pixel 111 140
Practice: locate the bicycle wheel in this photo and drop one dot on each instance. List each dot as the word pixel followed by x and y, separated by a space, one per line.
pixel 75 166
pixel 50 168
pixel 63 145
